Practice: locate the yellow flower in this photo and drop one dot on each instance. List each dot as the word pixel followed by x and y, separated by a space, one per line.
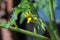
pixel 30 17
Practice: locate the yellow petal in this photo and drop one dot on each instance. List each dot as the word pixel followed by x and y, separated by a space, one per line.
pixel 26 14
pixel 29 20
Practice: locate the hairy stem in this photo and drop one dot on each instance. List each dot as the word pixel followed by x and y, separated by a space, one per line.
pixel 28 33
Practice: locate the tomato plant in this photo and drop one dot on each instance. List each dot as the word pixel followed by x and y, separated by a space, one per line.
pixel 29 10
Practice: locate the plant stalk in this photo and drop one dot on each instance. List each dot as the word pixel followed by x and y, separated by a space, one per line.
pixel 51 10
pixel 28 33
pixel 53 26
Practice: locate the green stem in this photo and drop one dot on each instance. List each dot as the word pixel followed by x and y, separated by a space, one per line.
pixel 51 10
pixel 28 33
pixel 53 26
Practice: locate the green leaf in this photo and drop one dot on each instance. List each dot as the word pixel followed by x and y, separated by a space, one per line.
pixel 22 18
pixel 46 8
pixel 44 4
pixel 37 4
pixel 42 24
pixel 24 4
pixel 17 10
pixel 40 3
pixel 13 18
